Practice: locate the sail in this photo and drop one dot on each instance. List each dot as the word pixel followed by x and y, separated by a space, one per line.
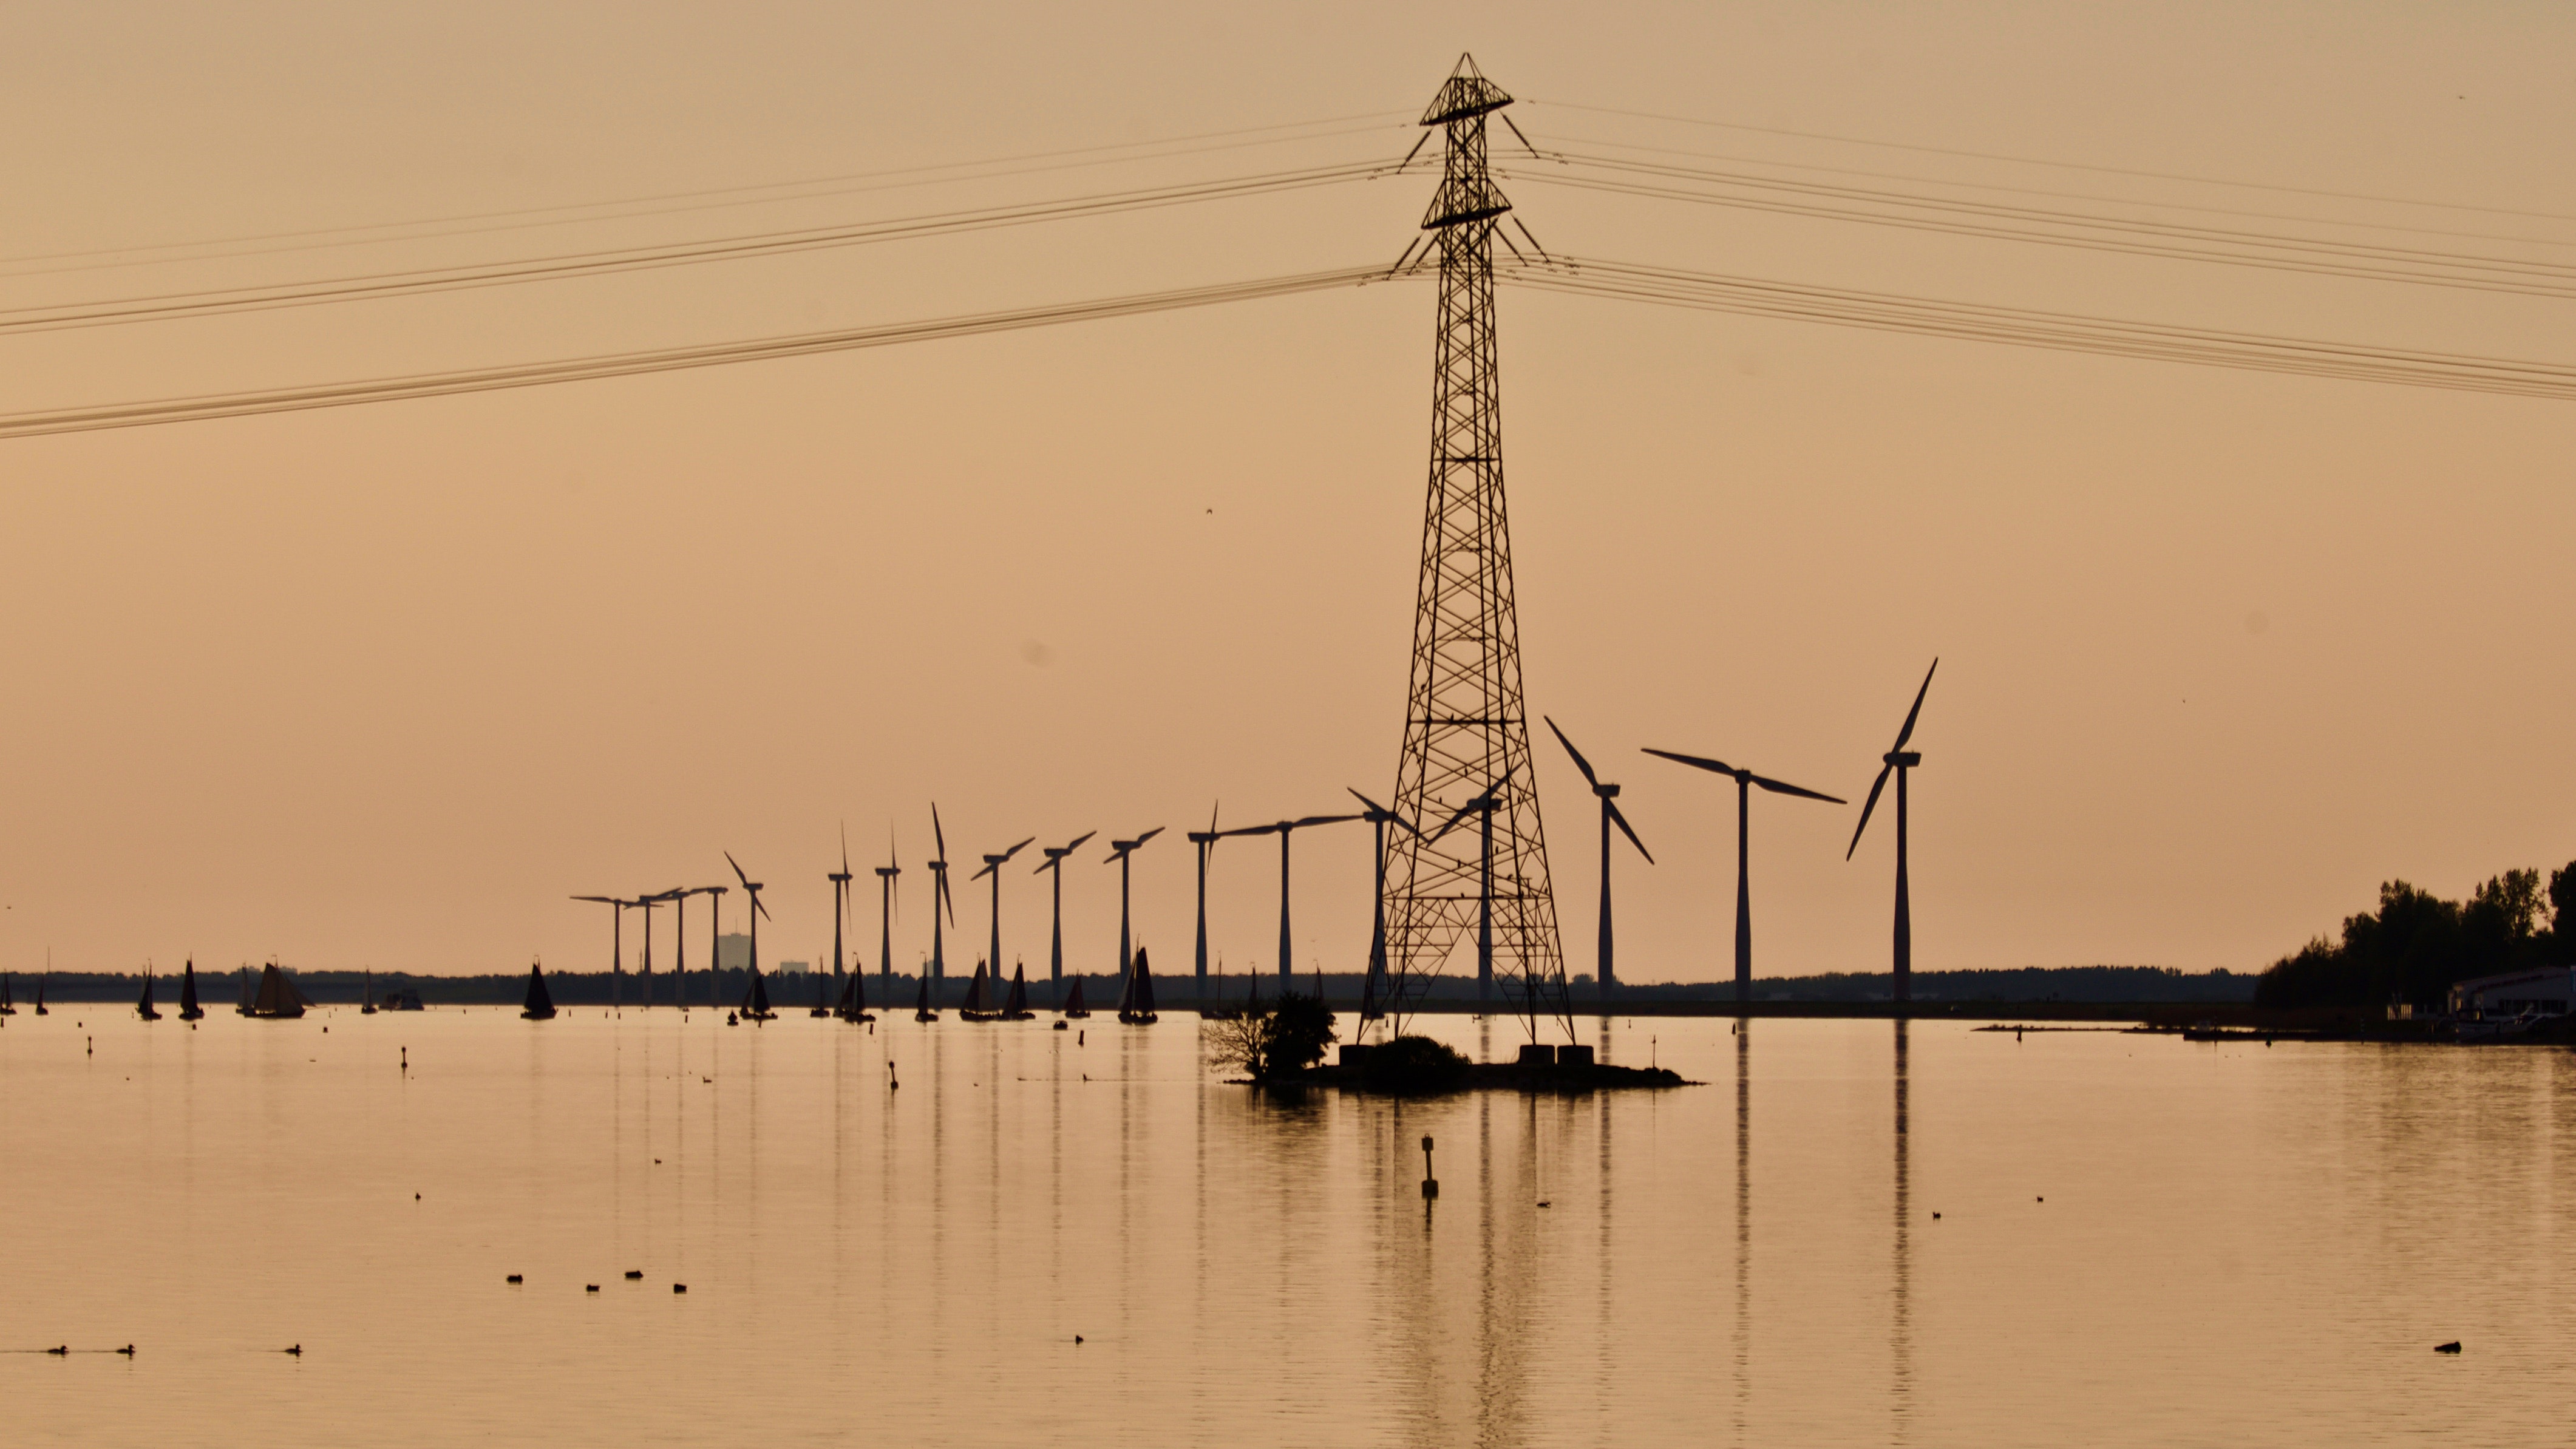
pixel 188 1008
pixel 1144 1003
pixel 1127 989
pixel 244 1008
pixel 921 1007
pixel 277 995
pixel 40 996
pixel 541 1002
pixel 143 1007
pixel 1073 1000
pixel 975 990
pixel 755 1002
pixel 1017 1004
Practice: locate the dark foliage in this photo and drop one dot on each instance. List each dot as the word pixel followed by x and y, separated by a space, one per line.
pixel 1415 1064
pixel 2416 944
pixel 1276 1039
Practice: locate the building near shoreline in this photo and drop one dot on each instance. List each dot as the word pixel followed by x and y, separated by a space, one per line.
pixel 2549 991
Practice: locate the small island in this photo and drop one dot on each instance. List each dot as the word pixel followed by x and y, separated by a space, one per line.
pixel 1281 1044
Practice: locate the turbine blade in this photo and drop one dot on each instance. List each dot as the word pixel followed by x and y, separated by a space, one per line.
pixel 1871 804
pixel 1580 763
pixel 1212 809
pixel 1695 762
pixel 1907 733
pixel 1077 841
pixel 737 870
pixel 845 847
pixel 1320 820
pixel 1148 835
pixel 1783 787
pixel 1454 819
pixel 937 834
pixel 1626 829
pixel 757 906
pixel 1016 849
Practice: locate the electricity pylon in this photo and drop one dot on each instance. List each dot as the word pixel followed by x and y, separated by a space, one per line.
pixel 1466 734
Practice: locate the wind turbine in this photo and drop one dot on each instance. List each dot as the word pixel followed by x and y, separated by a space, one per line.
pixel 885 912
pixel 1055 855
pixel 1119 851
pixel 840 900
pixel 1485 805
pixel 1206 841
pixel 1901 760
pixel 1378 817
pixel 616 930
pixel 939 897
pixel 1745 780
pixel 993 867
pixel 646 905
pixel 1609 795
pixel 715 943
pixel 1283 829
pixel 679 899
pixel 753 888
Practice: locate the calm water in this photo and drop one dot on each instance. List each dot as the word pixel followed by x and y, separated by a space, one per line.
pixel 1839 1239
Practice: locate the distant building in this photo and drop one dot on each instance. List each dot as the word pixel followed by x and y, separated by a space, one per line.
pixel 733 953
pixel 2549 991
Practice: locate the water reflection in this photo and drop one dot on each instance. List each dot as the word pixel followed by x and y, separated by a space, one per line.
pixel 1901 1336
pixel 1743 1222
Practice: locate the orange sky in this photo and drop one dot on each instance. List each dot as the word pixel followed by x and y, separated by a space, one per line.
pixel 381 686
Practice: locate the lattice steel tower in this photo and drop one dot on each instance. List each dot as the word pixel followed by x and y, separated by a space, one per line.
pixel 1466 754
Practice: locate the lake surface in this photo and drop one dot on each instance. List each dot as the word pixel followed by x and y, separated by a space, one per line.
pixel 1840 1239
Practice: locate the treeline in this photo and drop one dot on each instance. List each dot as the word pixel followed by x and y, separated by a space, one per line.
pixel 2411 949
pixel 797 990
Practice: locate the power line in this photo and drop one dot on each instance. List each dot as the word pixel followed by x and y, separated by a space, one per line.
pixel 375 286
pixel 2060 331
pixel 654 204
pixel 625 364
pixel 2060 165
pixel 2131 236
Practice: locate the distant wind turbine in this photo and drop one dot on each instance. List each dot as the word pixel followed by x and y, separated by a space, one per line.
pixel 1283 829
pixel 616 930
pixel 1119 851
pixel 1206 841
pixel 886 874
pixel 1054 866
pixel 1745 780
pixel 752 888
pixel 993 867
pixel 1379 817
pixel 1484 805
pixel 1607 972
pixel 939 897
pixel 1901 760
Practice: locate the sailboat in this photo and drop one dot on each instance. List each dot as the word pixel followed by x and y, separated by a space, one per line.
pixel 822 1003
pixel 541 1002
pixel 1136 1003
pixel 921 1009
pixel 278 1000
pixel 1073 1000
pixel 189 1010
pixel 143 1007
pixel 853 1006
pixel 367 1006
pixel 978 1005
pixel 244 1008
pixel 755 1002
pixel 1015 1007
pixel 40 996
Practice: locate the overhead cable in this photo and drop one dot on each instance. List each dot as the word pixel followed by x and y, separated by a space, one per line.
pixel 668 359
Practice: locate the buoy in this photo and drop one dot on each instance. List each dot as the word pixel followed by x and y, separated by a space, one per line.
pixel 1543 1204
pixel 1936 1217
pixel 1077 1338
pixel 1430 1184
pixel 2039 1199
pixel 516 1278
pixel 634 1275
pixel 589 1287
pixel 2452 1347
pixel 679 1287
